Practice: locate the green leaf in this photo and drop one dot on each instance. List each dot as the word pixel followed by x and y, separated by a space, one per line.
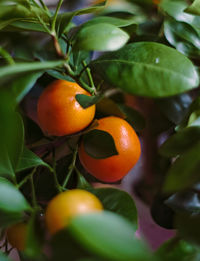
pixel 11 136
pixel 99 37
pixel 174 250
pixel 175 108
pixel 33 244
pixel 23 85
pixel 29 160
pixel 180 142
pixel 194 8
pixel 9 71
pixel 182 36
pixel 112 20
pixel 117 201
pixel 9 218
pixel 59 75
pixel 28 26
pixel 86 101
pixel 147 69
pixel 63 20
pixel 11 199
pixel 108 235
pixel 134 118
pixel 184 172
pixel 108 107
pixel 3 257
pixel 99 144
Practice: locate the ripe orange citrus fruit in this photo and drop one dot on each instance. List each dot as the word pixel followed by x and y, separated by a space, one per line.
pixel 114 168
pixel 59 113
pixel 16 235
pixel 67 205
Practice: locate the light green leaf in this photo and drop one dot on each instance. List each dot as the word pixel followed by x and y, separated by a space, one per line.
pixel 100 37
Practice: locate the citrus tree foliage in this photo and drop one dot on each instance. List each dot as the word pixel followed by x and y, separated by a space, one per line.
pixel 149 49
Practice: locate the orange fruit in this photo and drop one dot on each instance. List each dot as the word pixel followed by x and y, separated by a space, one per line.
pixel 114 168
pixel 16 235
pixel 66 205
pixel 156 2
pixel 59 113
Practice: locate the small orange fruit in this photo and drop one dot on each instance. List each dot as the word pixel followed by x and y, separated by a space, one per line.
pixel 66 205
pixel 114 168
pixel 59 112
pixel 16 235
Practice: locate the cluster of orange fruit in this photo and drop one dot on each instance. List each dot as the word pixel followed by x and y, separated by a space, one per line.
pixel 60 114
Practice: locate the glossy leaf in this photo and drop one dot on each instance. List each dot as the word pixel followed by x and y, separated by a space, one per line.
pixel 180 142
pixel 20 68
pixel 184 171
pixel 175 108
pixel 86 101
pixel 194 8
pixel 108 235
pixel 29 160
pixel 100 37
pixel 99 144
pixel 147 69
pixel 23 85
pixel 11 199
pixel 117 201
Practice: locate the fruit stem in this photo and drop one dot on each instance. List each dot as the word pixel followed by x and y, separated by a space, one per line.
pixel 34 200
pixel 26 178
pixel 71 167
pixel 53 27
pixel 58 187
pixel 89 75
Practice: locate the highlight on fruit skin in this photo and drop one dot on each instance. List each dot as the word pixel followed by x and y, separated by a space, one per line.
pixel 67 205
pixel 127 143
pixel 59 113
pixel 16 235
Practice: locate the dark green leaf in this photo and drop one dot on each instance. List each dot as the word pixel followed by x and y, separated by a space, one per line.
pixel 194 8
pixel 187 228
pixel 23 85
pixel 27 26
pixel 11 199
pixel 108 107
pixel 187 201
pixel 184 172
pixel 59 75
pixel 9 218
pixel 29 160
pixel 33 244
pixel 86 101
pixel 147 69
pixel 117 201
pixel 99 37
pixel 180 142
pixel 108 235
pixel 136 120
pixel 64 20
pixel 11 136
pixel 175 108
pixel 99 144
pixel 174 250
